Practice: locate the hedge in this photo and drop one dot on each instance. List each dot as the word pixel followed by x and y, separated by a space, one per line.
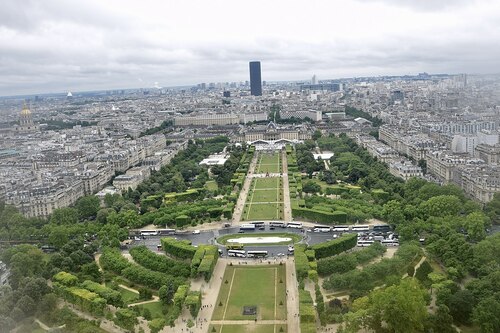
pixel 111 296
pixel 83 298
pixel 319 216
pixel 178 248
pixel 126 318
pixel 156 325
pixel 160 263
pixel 306 308
pixel 180 295
pixel 112 260
pixel 193 302
pixel 312 275
pixel 204 261
pixel 181 220
pixel 301 262
pixel 335 246
pixel 65 278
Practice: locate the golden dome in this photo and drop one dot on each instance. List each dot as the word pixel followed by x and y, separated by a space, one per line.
pixel 26 111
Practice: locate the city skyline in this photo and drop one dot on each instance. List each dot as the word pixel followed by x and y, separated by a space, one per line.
pixel 55 46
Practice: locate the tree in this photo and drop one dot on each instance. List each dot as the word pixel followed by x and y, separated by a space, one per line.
pixel 311 187
pixel 65 215
pixel 27 305
pixel 485 314
pixel 476 224
pixel 441 321
pixel 87 206
pixel 442 205
pixel 166 294
pixel 461 305
pixel 400 308
pixel 492 208
pixel 316 135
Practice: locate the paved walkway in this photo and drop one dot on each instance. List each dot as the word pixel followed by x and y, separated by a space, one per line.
pixel 292 300
pixel 240 204
pixel 287 207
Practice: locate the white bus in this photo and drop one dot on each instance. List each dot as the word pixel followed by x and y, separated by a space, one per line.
pixel 236 253
pixel 340 228
pixel 390 242
pixel 321 228
pixel 360 227
pixel 166 231
pixel 257 254
pixel 247 226
pixel 296 225
pixel 364 243
pixel 149 232
pixel 277 224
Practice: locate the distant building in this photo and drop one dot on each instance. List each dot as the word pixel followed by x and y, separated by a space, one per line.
pixel 26 123
pixel 255 79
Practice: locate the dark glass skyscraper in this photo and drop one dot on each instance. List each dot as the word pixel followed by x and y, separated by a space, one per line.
pixel 255 79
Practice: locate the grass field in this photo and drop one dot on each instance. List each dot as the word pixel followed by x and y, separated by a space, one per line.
pixel 155 308
pixel 128 296
pixel 264 200
pixel 269 163
pixel 251 328
pixel 261 286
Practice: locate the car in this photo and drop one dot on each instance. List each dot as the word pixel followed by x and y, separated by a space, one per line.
pixel 241 232
pixel 271 228
pixel 137 238
pixel 196 232
pixel 262 228
pixel 227 225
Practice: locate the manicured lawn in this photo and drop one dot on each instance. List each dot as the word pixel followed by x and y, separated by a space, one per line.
pixel 265 195
pixel 155 308
pixel 266 183
pixel 295 237
pixel 264 191
pixel 252 286
pixel 128 296
pixel 211 185
pixel 269 163
pixel 262 212
pixel 252 328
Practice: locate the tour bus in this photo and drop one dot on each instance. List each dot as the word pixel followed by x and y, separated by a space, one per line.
pixel 390 242
pixel 258 224
pixel 382 228
pixel 360 227
pixel 236 253
pixel 321 228
pixel 234 246
pixel 247 226
pixel 166 231
pixel 365 243
pixel 340 228
pixel 257 254
pixel 277 224
pixel 149 232
pixel 296 225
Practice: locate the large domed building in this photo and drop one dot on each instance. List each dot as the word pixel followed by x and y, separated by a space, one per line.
pixel 26 123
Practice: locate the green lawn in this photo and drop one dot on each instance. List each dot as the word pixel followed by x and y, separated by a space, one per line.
pixel 263 212
pixel 266 183
pixel 211 185
pixel 295 237
pixel 252 286
pixel 154 307
pixel 269 163
pixel 252 328
pixel 265 195
pixel 128 296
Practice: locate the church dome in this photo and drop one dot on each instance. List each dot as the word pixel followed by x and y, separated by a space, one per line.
pixel 26 111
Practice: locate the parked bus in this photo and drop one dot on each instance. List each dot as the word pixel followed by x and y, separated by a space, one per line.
pixel 340 228
pixel 234 246
pixel 166 231
pixel 277 224
pixel 390 242
pixel 296 225
pixel 364 243
pixel 247 226
pixel 360 227
pixel 236 253
pixel 257 254
pixel 258 224
pixel 321 228
pixel 149 232
pixel 382 228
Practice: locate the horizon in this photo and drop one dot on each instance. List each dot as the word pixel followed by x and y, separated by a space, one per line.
pixel 92 46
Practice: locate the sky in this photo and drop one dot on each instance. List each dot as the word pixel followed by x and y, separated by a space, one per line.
pixel 59 45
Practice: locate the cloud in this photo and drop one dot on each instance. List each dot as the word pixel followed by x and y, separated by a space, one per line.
pixel 57 45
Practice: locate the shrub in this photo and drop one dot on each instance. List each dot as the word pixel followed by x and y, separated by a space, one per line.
pixel 145 257
pixel 180 295
pixel 65 278
pixel 193 302
pixel 335 246
pixel 178 248
pixel 111 296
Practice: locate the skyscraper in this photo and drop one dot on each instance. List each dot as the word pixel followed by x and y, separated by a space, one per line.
pixel 255 79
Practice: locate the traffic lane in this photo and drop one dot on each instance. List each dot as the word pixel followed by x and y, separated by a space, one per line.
pixel 267 228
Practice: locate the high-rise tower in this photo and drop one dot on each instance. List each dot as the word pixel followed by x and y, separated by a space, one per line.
pixel 255 79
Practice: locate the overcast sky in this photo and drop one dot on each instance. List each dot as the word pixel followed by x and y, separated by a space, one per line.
pixel 60 45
